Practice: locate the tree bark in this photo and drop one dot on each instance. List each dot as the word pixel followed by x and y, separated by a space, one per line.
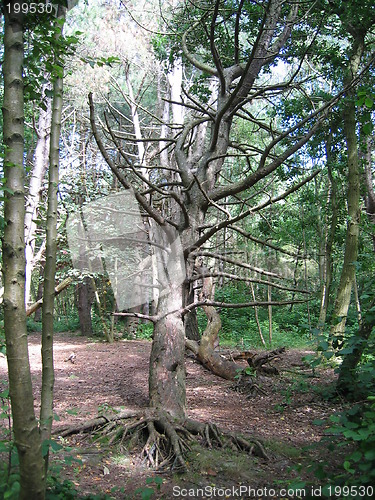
pixel 352 233
pixel 190 319
pixel 38 172
pixel 167 362
pixel 205 351
pixel 348 376
pixel 328 240
pixel 85 300
pixel 26 431
pixel 48 379
pixel 369 183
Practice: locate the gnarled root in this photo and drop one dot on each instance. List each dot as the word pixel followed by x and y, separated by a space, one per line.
pixel 213 436
pixel 164 441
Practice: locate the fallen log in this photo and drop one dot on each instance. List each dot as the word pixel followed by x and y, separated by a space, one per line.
pixel 60 287
pixel 259 360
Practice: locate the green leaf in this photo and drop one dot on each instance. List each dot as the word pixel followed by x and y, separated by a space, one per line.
pixel 347 467
pixel 369 102
pixel 319 421
pixel 356 456
pixel 55 446
pixel 146 493
pixel 360 102
pixel 367 128
pixel 370 455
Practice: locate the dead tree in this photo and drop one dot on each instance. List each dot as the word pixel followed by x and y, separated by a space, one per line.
pixel 193 195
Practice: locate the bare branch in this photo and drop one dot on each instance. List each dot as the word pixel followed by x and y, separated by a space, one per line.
pixel 217 227
pixel 147 317
pixel 152 212
pixel 240 305
pixel 244 265
pixel 264 243
pixel 198 64
pixel 236 277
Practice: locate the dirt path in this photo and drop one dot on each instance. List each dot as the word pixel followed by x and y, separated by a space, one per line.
pixel 104 375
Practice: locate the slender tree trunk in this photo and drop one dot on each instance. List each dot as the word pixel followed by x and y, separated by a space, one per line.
pixel 347 381
pixel 46 410
pixel 257 317
pixel 270 327
pixel 352 233
pixel 327 259
pixel 39 295
pixel 210 339
pixel 369 183
pixel 190 319
pixel 25 426
pixel 38 172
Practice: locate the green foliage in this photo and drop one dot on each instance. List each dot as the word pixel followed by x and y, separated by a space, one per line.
pixel 66 490
pixel 9 477
pixel 145 331
pixel 248 371
pixel 354 433
pixel 147 492
pixel 68 323
pixel 239 326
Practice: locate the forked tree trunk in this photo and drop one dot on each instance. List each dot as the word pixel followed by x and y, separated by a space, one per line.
pixel 25 426
pixel 167 362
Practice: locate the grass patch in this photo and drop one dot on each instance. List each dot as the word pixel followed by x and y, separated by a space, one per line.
pixel 284 449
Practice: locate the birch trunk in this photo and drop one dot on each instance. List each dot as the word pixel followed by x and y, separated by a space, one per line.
pixel 38 172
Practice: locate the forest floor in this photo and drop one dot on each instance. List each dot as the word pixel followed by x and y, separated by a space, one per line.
pixel 104 376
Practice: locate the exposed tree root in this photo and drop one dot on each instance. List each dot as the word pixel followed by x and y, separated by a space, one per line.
pixel 247 384
pixel 163 441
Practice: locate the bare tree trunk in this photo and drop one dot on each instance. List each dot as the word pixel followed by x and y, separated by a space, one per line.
pixel 370 193
pixel 257 317
pixel 25 426
pixel 270 326
pixel 327 264
pixel 205 351
pixel 85 300
pixel 347 381
pixel 39 294
pixel 48 379
pixel 38 172
pixel 167 362
pixel 190 319
pixel 352 233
